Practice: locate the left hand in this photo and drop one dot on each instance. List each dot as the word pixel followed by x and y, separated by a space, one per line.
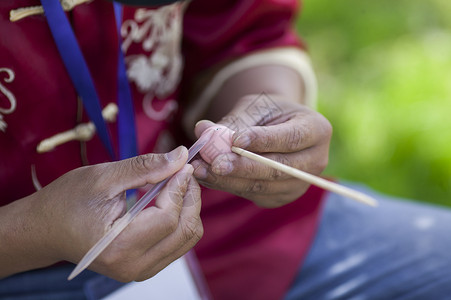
pixel 276 128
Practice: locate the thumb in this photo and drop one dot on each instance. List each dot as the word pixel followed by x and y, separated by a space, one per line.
pixel 149 168
pixel 201 126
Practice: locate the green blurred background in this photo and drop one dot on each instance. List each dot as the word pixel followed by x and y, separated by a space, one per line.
pixel 384 71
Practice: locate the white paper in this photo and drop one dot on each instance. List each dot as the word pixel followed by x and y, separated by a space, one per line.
pixel 174 282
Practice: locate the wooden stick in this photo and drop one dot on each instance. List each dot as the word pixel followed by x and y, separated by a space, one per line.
pixel 312 179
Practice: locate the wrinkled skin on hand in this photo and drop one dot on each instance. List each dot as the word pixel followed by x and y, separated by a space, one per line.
pixel 276 128
pixel 77 209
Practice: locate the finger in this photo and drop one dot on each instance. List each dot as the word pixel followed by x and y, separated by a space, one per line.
pixel 244 186
pixel 141 170
pixel 290 190
pixel 188 205
pixel 170 200
pixel 234 165
pixel 312 160
pixel 201 126
pixel 130 252
pixel 156 222
pixel 192 200
pixel 273 201
pixel 188 233
pixel 151 226
pixel 275 192
pixel 200 168
pixel 297 133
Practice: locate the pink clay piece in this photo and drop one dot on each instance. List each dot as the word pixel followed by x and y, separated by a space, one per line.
pixel 219 143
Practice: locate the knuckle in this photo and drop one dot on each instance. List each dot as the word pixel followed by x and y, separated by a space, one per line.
pixel 142 163
pixel 192 229
pixel 295 137
pixel 277 174
pixel 257 187
pixel 100 178
pixel 249 168
pixel 95 175
pixel 267 141
pixel 283 159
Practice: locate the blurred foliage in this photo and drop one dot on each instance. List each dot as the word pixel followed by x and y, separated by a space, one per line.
pixel 384 71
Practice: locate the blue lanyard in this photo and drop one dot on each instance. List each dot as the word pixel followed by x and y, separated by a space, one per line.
pixel 126 120
pixel 81 78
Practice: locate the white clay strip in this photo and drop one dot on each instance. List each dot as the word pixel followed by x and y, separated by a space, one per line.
pixel 312 179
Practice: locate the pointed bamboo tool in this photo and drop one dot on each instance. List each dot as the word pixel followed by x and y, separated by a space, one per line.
pixel 307 177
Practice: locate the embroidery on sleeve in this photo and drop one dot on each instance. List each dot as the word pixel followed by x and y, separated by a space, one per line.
pixel 9 96
pixel 158 74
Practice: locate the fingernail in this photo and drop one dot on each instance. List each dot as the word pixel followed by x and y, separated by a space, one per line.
pixel 201 121
pixel 200 172
pixel 224 167
pixel 242 141
pixel 210 123
pixel 174 155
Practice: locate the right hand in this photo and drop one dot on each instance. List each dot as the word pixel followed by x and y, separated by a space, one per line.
pixel 78 208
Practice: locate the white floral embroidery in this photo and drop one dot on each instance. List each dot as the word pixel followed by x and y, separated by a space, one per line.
pixel 158 74
pixel 8 95
pixel 158 115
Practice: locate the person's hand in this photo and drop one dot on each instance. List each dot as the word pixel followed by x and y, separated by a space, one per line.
pixel 78 208
pixel 278 129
